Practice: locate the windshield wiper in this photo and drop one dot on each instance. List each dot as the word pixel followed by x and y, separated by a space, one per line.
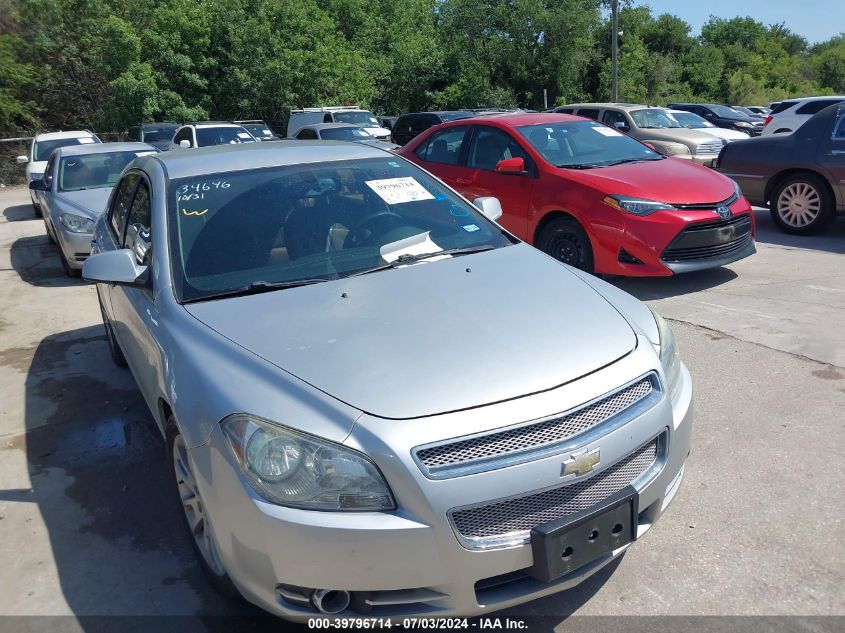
pixel 259 286
pixel 580 165
pixel 633 160
pixel 402 260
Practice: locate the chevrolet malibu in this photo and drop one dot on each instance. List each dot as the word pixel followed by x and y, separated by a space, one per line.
pixel 590 196
pixel 74 190
pixel 375 400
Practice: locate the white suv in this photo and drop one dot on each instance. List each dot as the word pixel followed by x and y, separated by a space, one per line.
pixel 40 150
pixel 206 133
pixel 340 114
pixel 790 114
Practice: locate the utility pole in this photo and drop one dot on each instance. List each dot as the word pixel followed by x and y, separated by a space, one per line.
pixel 614 50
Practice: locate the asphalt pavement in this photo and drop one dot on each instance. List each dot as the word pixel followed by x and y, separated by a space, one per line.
pixel 89 526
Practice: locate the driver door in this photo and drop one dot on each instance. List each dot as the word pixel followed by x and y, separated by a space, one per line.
pixel 134 310
pixel 832 152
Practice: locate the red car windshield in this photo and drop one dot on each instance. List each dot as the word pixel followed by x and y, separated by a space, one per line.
pixel 584 145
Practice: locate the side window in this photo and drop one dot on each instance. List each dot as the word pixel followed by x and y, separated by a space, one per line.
pixel 138 235
pixel 328 118
pixel 420 124
pixel 183 134
pixel 838 135
pixel 565 110
pixel 443 147
pixel 307 135
pixel 590 113
pixel 48 170
pixel 611 118
pixel 135 134
pixel 120 204
pixel 811 107
pixel 490 146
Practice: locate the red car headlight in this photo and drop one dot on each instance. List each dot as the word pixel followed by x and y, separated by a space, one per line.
pixel 636 206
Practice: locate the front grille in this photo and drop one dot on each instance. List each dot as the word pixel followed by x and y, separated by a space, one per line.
pixel 516 517
pixel 706 240
pixel 709 147
pixel 477 450
pixel 707 206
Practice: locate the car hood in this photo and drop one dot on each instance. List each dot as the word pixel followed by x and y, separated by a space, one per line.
pixel 677 134
pixel 377 131
pixel 671 180
pixel 91 202
pixel 435 336
pixel 381 144
pixel 723 132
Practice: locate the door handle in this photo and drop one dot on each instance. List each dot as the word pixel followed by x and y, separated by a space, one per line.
pixel 463 181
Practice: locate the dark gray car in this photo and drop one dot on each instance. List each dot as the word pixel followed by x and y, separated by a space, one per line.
pixel 799 176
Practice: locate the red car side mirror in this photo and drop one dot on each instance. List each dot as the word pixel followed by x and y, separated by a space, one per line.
pixel 514 166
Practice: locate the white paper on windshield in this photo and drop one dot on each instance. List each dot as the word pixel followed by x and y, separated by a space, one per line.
pixel 606 131
pixel 399 190
pixel 243 135
pixel 86 139
pixel 144 153
pixel 414 245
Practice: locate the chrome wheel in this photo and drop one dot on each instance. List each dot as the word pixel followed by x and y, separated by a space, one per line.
pixel 192 505
pixel 799 204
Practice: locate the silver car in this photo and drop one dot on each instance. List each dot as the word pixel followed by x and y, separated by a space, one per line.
pixel 74 190
pixel 376 401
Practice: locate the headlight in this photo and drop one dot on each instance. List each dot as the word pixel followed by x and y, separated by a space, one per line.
pixel 671 149
pixel 669 359
pixel 737 189
pixel 301 471
pixel 742 124
pixel 76 223
pixel 637 206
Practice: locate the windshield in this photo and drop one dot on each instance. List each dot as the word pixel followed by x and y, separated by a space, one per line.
pixel 42 149
pixel 345 134
pixel 653 118
pixel 157 134
pixel 690 120
pixel 726 112
pixel 358 117
pixel 92 171
pixel 312 221
pixel 584 144
pixel 222 135
pixel 259 130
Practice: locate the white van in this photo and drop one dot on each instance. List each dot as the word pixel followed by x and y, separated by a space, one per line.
pixel 340 114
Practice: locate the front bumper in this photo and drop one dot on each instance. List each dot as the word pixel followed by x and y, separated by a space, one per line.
pixel 409 561
pixel 76 247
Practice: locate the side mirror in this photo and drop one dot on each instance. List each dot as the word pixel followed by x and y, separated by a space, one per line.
pixel 184 143
pixel 489 206
pixel 513 166
pixel 622 126
pixel 22 160
pixel 650 146
pixel 116 267
pixel 38 185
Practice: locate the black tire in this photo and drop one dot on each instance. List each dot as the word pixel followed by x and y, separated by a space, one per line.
pixel 37 209
pixel 802 204
pixel 218 579
pixel 116 353
pixel 565 240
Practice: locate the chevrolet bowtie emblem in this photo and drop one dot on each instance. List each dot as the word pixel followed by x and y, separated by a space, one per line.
pixel 581 463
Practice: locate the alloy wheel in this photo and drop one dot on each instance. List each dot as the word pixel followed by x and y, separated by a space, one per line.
pixel 192 505
pixel 799 204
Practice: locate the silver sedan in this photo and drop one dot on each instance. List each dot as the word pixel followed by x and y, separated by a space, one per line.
pixel 74 190
pixel 376 401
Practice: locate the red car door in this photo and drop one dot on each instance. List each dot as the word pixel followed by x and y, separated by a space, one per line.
pixel 488 146
pixel 442 155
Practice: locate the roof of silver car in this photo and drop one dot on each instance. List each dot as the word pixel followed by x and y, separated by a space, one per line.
pixel 105 148
pixel 182 163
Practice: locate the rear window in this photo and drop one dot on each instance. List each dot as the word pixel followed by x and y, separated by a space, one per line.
pixel 783 105
pixel 811 107
pixel 589 113
pixel 43 149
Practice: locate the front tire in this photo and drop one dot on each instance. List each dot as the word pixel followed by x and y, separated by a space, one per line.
pixel 116 353
pixel 194 514
pixel 802 205
pixel 37 208
pixel 70 272
pixel 566 241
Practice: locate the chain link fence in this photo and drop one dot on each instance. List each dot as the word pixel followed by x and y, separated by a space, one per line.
pixel 10 172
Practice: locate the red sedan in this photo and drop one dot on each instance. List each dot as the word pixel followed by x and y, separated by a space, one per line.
pixel 590 196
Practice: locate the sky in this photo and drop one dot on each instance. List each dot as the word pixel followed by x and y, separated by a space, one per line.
pixel 817 20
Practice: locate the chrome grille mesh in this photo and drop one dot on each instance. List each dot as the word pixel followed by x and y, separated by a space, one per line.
pixel 521 514
pixel 709 147
pixel 532 436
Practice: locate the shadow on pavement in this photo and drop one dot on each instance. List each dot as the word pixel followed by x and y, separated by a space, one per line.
pixel 37 262
pixel 19 212
pixel 831 240
pixel 647 288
